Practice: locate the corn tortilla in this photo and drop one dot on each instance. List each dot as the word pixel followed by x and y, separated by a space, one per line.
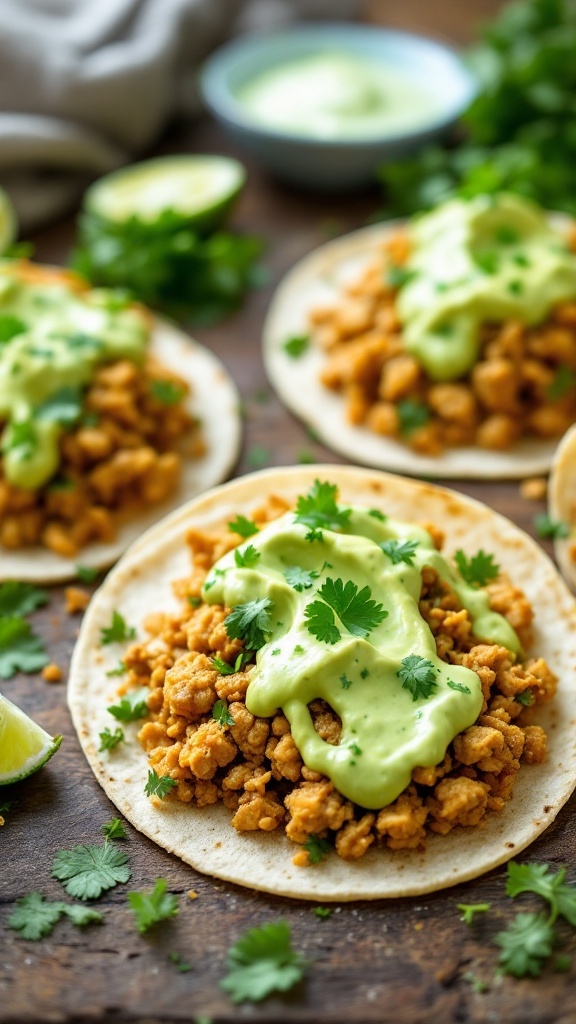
pixel 141 584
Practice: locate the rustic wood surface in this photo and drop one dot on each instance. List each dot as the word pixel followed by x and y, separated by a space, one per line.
pixel 398 961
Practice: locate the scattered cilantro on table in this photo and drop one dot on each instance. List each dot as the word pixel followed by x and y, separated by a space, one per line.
pixel 356 610
pixel 250 622
pixel 322 912
pixel 118 630
pixel 36 917
pixel 418 675
pixel 221 714
pixel 258 456
pixel 400 551
pixel 297 345
pixel 133 705
pixel 109 740
pixel 86 574
pixel 319 510
pixel 262 961
pixel 20 649
pixel 477 570
pixel 159 785
pixel 469 910
pixel 21 598
pixel 114 829
pixel 305 457
pixel 152 907
pixel 88 871
pixel 316 848
pixel 526 944
pixel 243 527
pixel 247 558
pixel 546 527
pixel 300 579
pixel 181 965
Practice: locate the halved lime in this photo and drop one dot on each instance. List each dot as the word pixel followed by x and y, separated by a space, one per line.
pixel 8 222
pixel 24 745
pixel 196 189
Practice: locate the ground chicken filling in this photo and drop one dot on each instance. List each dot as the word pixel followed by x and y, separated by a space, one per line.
pixel 524 382
pixel 253 765
pixel 118 460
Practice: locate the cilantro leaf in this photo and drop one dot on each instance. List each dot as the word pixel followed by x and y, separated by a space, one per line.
pixel 321 912
pixel 247 558
pixel 119 670
pixel 243 526
pixel 117 631
pixel 36 917
pixel 317 848
pixel 86 574
pixel 10 327
pixel 321 622
pixel 250 622
pixel 167 392
pixel 63 407
pixel 318 509
pixel 563 382
pixel 300 579
pixel 21 598
pixel 115 829
pixel 261 962
pixel 412 415
pixel 538 878
pixel 133 705
pixel 223 667
pixel 457 686
pixel 151 907
pixel 221 714
pixel 397 276
pixel 182 966
pixel 159 785
pixel 418 675
pixel 88 871
pixel 109 740
pixel 478 570
pixel 526 698
pixel 469 910
pixel 550 528
pixel 377 514
pixel 400 551
pixel 20 436
pixel 297 345
pixel 257 456
pixel 20 649
pixel 525 945
pixel 355 608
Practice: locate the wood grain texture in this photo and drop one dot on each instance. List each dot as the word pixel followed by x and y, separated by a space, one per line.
pixel 399 962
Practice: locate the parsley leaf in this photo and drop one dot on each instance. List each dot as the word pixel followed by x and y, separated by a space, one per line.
pixel 300 579
pixel 297 345
pixel 470 909
pixel 250 622
pixel 400 551
pixel 117 631
pixel 418 675
pixel 221 714
pixel 358 613
pixel 458 686
pixel 63 407
pixel 151 907
pixel 133 705
pixel 247 558
pixel 316 848
pixel 20 649
pixel 261 962
pixel 109 740
pixel 318 509
pixel 321 622
pixel 525 945
pixel 167 392
pixel 86 574
pixel 243 526
pixel 88 871
pixel 21 598
pixel 159 785
pixel 115 829
pixel 36 917
pixel 412 415
pixel 478 570
pixel 553 528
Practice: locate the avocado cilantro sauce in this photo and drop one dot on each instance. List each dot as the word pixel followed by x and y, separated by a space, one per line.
pixel 329 598
pixel 338 95
pixel 475 261
pixel 52 339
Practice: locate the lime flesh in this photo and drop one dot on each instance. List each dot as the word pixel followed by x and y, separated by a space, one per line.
pixel 24 745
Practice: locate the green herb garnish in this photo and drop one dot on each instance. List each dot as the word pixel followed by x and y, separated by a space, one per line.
pixel 418 676
pixel 159 785
pixel 88 871
pixel 478 570
pixel 151 907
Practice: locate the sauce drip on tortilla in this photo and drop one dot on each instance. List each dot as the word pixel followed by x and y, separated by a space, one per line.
pixel 385 732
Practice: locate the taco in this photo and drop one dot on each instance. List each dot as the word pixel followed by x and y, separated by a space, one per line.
pixel 109 418
pixel 441 347
pixel 562 505
pixel 378 751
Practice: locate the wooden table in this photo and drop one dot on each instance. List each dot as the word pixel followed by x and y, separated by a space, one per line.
pixel 397 961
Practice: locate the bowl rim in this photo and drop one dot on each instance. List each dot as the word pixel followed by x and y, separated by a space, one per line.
pixel 219 99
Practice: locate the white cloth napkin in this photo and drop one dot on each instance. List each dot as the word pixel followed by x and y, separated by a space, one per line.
pixel 87 85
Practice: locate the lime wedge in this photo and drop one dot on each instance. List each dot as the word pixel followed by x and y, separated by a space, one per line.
pixel 197 190
pixel 8 222
pixel 24 746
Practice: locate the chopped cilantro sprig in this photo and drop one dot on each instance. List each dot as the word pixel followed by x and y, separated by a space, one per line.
pixel 319 510
pixel 152 907
pixel 35 917
pixel 356 610
pixel 251 623
pixel 262 961
pixel 88 871
pixel 418 676
pixel 477 570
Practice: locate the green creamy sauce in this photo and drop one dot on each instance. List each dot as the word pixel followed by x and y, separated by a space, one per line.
pixel 56 340
pixel 476 261
pixel 338 96
pixel 385 733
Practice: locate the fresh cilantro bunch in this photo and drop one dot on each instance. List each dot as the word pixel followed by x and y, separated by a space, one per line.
pixel 261 962
pixel 520 131
pixel 191 276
